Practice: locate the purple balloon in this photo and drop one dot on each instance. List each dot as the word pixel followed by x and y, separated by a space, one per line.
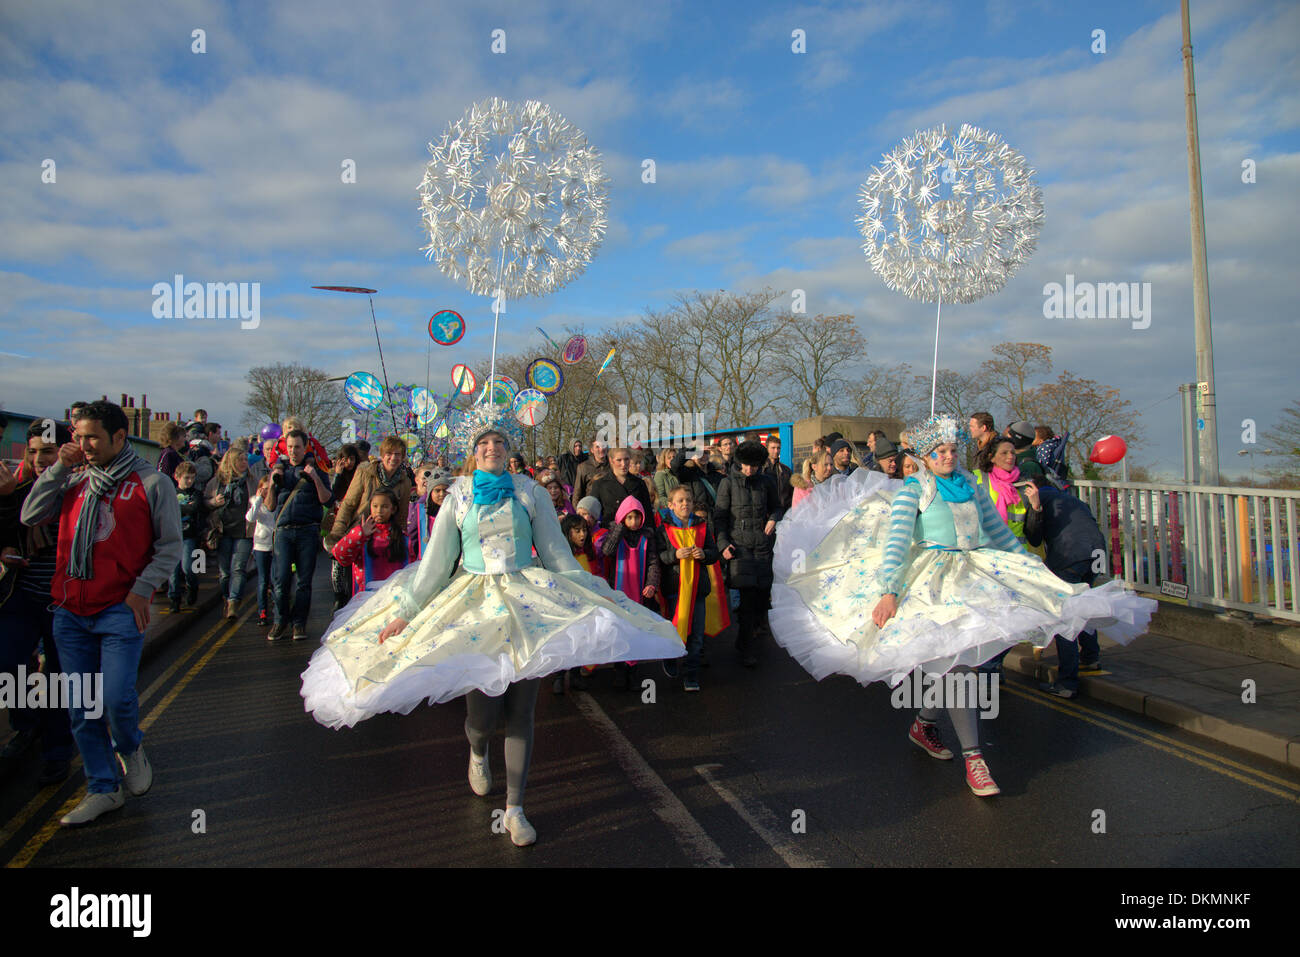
pixel 270 431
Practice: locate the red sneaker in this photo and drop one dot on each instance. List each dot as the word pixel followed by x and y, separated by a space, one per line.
pixel 978 777
pixel 926 736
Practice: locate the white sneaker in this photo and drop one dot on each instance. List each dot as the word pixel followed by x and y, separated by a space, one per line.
pixel 480 775
pixel 139 773
pixel 521 832
pixel 92 806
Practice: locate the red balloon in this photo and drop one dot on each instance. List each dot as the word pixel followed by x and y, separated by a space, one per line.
pixel 1108 450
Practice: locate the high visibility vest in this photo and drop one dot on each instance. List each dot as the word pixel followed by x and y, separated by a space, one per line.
pixel 1016 512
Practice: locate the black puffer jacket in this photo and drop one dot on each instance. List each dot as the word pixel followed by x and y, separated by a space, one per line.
pixel 745 505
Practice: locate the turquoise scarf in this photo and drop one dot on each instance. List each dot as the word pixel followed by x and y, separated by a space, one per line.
pixel 490 488
pixel 955 488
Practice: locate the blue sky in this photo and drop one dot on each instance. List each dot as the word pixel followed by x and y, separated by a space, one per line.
pixel 225 166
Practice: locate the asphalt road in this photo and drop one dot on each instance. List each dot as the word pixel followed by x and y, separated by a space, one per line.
pixel 763 768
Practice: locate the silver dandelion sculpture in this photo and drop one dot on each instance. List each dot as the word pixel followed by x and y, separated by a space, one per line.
pixel 949 219
pixel 514 199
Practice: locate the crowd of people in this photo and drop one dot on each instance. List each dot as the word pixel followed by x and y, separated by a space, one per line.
pixel 668 546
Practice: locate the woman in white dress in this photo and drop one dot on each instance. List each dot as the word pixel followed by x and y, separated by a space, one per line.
pixel 490 631
pixel 877 578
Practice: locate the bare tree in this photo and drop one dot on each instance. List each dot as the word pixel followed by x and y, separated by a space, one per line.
pixel 813 353
pixel 1006 377
pixel 281 390
pixel 954 393
pixel 1087 410
pixel 1284 440
pixel 745 336
pixel 891 391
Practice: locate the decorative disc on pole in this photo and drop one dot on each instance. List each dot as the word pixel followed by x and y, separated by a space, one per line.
pixel 574 350
pixel 463 379
pixel 446 327
pixel 530 407
pixel 503 391
pixel 424 405
pixel 363 391
pixel 545 376
pixel 949 219
pixel 513 198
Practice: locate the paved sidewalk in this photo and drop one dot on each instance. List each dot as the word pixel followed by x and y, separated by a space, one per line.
pixel 1193 687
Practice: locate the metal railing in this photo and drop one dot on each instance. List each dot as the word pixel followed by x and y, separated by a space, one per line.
pixel 1230 547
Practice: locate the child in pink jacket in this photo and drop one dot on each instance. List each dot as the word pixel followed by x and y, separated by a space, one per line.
pixel 376 547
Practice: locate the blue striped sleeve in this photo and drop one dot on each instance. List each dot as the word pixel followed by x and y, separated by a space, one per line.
pixel 902 525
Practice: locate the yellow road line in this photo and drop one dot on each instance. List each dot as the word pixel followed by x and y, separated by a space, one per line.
pixel 52 826
pixel 17 822
pixel 1074 708
pixel 179 663
pixel 1178 749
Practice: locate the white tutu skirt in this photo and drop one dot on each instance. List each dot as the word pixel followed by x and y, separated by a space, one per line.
pixel 481 632
pixel 955 608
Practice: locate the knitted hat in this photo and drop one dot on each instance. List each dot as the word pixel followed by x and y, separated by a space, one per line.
pixel 592 505
pixel 885 449
pixel 1021 433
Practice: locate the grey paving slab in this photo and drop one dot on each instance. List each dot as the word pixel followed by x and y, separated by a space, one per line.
pixel 1208 657
pixel 1270 679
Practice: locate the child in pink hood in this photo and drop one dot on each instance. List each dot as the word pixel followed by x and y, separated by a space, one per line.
pixel 631 565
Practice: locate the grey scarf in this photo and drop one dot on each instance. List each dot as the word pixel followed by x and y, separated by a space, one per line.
pixel 99 484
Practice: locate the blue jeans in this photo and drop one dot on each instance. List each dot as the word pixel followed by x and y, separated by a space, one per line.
pixel 1068 651
pixel 298 547
pixel 24 622
pixel 184 573
pixel 232 564
pixel 109 644
pixel 263 562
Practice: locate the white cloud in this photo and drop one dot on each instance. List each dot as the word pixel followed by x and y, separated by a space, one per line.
pixel 712 246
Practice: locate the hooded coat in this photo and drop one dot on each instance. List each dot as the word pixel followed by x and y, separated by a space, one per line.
pixel 621 567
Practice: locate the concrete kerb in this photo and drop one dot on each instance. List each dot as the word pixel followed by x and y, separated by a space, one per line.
pixel 1266 744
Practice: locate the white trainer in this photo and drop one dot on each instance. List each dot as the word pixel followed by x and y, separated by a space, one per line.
pixel 521 832
pixel 480 775
pixel 92 806
pixel 139 773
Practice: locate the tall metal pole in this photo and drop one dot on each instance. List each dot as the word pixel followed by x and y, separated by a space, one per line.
pixel 1209 433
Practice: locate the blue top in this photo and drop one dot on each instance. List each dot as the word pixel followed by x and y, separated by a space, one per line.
pixel 964 526
pixel 491 539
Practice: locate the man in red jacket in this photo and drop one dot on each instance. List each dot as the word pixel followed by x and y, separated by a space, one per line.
pixel 118 540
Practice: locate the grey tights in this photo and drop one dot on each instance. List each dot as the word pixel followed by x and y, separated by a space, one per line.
pixel 481 719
